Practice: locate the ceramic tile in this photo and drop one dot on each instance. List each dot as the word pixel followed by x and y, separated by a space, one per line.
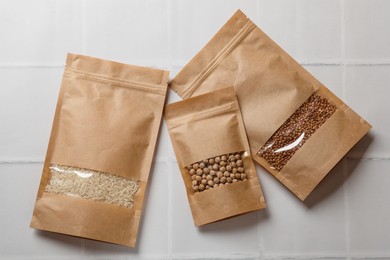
pixel 40 32
pixel 308 30
pixel 366 90
pixel 127 31
pixel 344 218
pixel 28 97
pixel 367 37
pixel 195 22
pixel 369 212
pixel 330 76
pixel 311 228
pixel 19 188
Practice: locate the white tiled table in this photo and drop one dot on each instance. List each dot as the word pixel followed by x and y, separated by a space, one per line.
pixel 344 43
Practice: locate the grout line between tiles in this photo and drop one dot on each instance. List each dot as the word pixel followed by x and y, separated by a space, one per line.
pixel 187 257
pixel 83 26
pixel 368 158
pixel 83 48
pixel 242 257
pixel 169 32
pixel 83 249
pixel 179 64
pixel 342 45
pixel 20 161
pixel 345 162
pixel 260 236
pixel 170 159
pixel 346 211
pixel 170 213
pixel 258 7
pixel 27 65
pixel 254 256
pixel 313 62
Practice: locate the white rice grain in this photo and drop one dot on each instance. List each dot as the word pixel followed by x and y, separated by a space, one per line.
pixel 93 185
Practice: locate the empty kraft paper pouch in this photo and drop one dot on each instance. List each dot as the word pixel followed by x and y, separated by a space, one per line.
pixel 100 150
pixel 297 129
pixel 213 155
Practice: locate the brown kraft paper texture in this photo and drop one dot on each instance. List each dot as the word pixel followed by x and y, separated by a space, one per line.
pixel 207 126
pixel 107 119
pixel 270 87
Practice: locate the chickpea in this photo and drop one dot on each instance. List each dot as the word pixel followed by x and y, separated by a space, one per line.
pixel 217 171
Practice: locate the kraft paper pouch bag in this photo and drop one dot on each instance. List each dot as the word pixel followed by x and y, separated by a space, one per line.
pixel 100 150
pixel 213 155
pixel 297 129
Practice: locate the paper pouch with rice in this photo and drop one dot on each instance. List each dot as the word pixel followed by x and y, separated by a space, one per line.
pixel 100 150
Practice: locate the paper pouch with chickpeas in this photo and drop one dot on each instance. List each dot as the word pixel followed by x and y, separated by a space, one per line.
pixel 214 156
pixel 298 130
